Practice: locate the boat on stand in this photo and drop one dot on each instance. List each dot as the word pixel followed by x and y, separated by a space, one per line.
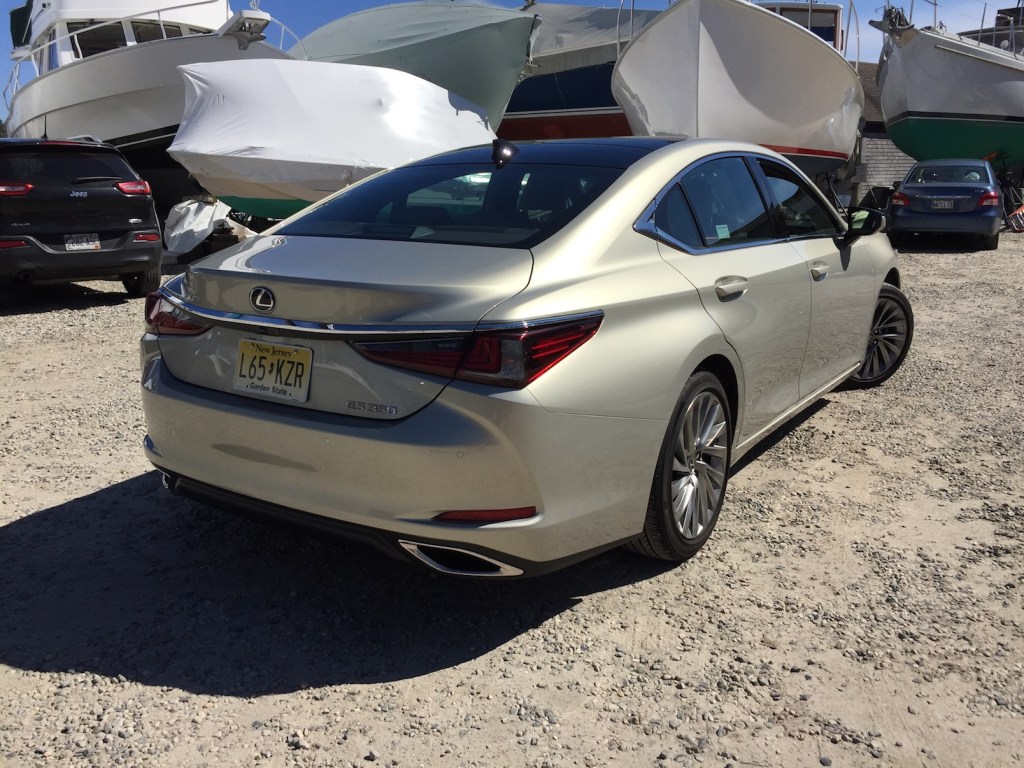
pixel 109 69
pixel 331 125
pixel 770 75
pixel 944 95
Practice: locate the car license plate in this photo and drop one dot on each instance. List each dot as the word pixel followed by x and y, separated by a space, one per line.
pixel 90 242
pixel 942 205
pixel 274 370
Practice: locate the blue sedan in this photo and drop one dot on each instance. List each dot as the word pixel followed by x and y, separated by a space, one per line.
pixel 947 196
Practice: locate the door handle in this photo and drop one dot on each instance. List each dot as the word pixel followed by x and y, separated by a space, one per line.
pixel 731 287
pixel 819 270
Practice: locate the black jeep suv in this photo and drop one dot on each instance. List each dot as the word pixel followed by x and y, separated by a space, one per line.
pixel 75 210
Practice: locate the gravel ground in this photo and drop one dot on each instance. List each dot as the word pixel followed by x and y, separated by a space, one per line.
pixel 859 604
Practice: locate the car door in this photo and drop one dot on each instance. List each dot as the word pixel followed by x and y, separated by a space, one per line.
pixel 714 228
pixel 842 281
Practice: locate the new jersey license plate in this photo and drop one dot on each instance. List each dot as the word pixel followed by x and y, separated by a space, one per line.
pixel 942 205
pixel 273 370
pixel 90 242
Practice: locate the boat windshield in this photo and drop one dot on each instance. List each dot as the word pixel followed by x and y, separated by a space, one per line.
pixel 88 42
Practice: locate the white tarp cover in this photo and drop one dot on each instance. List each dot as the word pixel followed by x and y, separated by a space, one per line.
pixel 574 36
pixel 192 221
pixel 301 129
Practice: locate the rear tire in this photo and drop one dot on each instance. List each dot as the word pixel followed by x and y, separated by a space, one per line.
pixel 692 474
pixel 892 330
pixel 896 239
pixel 990 242
pixel 139 284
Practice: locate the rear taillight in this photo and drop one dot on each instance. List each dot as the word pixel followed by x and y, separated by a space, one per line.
pixel 146 237
pixel 14 189
pixel 4 244
pixel 989 198
pixel 505 358
pixel 134 187
pixel 165 319
pixel 898 198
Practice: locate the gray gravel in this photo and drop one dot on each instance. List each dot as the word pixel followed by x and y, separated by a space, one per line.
pixel 859 604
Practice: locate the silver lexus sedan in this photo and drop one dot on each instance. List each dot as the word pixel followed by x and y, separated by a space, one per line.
pixel 507 358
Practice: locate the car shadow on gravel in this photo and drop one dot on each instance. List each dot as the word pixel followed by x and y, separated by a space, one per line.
pixel 27 299
pixel 131 581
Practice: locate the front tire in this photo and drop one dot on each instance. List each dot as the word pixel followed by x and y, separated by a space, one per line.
pixel 892 330
pixel 691 475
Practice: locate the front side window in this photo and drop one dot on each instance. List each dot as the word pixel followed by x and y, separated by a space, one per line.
pixel 726 203
pixel 515 206
pixel 798 208
pixel 88 42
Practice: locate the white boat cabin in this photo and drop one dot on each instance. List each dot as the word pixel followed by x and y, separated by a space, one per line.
pixel 823 19
pixel 59 32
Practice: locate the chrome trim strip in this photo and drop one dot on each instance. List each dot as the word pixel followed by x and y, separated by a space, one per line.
pixel 339 329
pixel 416 550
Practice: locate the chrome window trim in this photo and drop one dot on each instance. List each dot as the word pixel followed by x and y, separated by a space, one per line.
pixel 340 329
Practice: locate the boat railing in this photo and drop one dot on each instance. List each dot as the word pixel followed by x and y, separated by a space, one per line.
pixel 15 81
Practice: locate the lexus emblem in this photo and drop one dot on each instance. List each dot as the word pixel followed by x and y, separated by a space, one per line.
pixel 262 299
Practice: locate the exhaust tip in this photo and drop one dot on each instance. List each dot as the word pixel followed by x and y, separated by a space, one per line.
pixel 459 562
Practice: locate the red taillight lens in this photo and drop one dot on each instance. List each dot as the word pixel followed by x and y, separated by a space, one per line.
pixel 165 319
pixel 4 244
pixel 989 198
pixel 134 187
pixel 510 359
pixel 898 198
pixel 14 189
pixel 483 516
pixel 147 237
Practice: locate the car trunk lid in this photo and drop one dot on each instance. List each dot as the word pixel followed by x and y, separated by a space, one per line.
pixel 944 198
pixel 321 294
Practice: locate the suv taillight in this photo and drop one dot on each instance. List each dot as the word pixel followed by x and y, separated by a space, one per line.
pixel 165 319
pixel 989 198
pixel 505 358
pixel 134 187
pixel 898 198
pixel 14 189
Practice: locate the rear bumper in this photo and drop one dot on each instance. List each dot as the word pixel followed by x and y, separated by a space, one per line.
pixel 35 262
pixel 985 223
pixel 384 482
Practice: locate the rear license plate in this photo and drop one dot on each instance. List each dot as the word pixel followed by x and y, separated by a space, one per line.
pixel 942 205
pixel 90 242
pixel 274 370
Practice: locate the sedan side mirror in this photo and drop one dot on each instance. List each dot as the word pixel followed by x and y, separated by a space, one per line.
pixel 861 222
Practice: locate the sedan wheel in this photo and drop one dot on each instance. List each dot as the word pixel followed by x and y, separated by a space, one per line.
pixel 892 330
pixel 692 474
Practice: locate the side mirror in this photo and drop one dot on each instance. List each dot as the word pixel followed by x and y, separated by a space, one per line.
pixel 861 222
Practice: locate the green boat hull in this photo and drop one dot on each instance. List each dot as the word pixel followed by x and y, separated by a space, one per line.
pixel 934 137
pixel 266 208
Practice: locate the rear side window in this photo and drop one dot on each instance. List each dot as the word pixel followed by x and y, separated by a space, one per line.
pixel 515 206
pixel 726 203
pixel 60 167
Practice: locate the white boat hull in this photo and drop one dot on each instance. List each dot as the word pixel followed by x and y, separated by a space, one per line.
pixel 947 96
pixel 329 125
pixel 729 69
pixel 128 96
pixel 477 51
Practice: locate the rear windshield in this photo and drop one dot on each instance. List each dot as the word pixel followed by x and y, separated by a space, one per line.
pixel 515 206
pixel 949 174
pixel 61 167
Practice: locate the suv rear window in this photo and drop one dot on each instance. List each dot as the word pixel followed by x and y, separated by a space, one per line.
pixel 59 166
pixel 515 206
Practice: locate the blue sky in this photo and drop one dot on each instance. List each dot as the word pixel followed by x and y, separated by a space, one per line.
pixel 303 16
